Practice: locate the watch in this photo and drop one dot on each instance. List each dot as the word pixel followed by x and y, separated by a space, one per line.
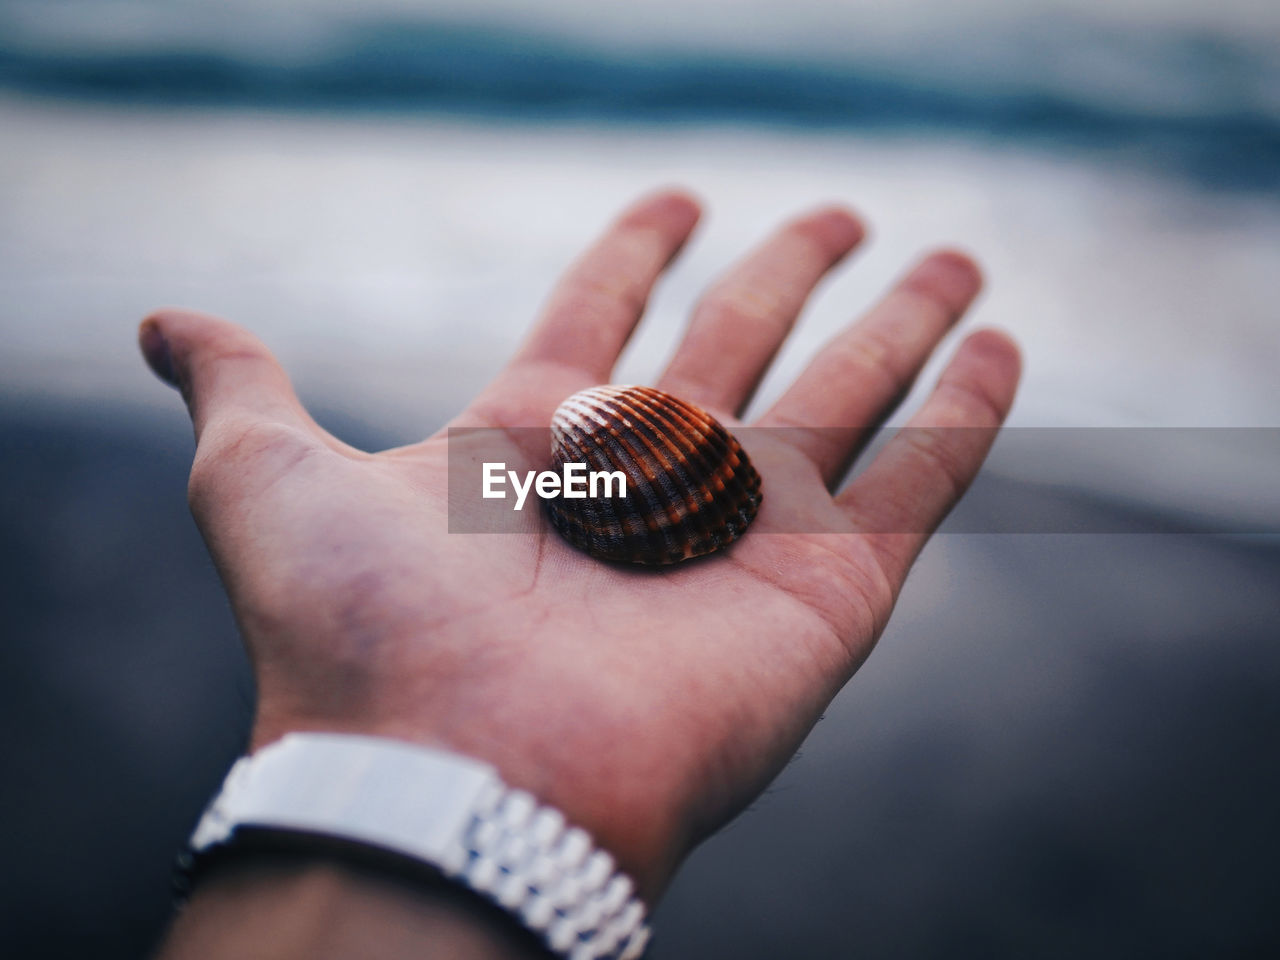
pixel 443 809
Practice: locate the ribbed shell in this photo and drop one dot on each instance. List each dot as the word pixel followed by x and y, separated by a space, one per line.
pixel 690 487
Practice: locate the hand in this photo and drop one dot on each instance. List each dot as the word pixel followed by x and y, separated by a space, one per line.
pixel 649 706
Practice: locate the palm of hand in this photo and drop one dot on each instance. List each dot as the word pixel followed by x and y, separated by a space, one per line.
pixel 650 705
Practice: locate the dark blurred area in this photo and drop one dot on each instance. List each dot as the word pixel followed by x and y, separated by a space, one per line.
pixel 126 694
pixel 1068 750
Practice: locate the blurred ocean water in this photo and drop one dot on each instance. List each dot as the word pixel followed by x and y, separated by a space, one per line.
pixel 1063 746
pixel 1203 106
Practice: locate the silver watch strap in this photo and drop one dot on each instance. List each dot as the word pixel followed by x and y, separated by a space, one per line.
pixel 446 810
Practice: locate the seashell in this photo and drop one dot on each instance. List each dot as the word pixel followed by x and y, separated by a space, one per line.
pixel 690 488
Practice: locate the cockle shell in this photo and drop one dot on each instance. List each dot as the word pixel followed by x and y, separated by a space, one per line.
pixel 691 489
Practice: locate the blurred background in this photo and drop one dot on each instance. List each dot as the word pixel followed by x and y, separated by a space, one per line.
pixel 1065 744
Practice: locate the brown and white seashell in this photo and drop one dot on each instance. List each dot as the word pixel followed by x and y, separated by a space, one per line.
pixel 691 489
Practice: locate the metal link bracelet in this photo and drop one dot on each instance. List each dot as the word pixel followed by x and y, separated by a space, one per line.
pixel 442 809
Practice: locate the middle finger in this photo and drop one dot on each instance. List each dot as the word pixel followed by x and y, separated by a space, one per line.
pixel 741 322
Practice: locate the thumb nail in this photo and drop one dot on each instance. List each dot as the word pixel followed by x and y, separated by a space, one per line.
pixel 155 348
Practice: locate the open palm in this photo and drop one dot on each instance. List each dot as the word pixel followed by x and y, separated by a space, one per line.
pixel 648 704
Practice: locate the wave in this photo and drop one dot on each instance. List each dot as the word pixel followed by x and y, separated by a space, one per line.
pixel 1204 106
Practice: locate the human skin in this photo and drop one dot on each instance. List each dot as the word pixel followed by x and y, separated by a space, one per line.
pixel 650 706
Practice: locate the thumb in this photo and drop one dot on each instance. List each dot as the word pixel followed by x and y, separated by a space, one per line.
pixel 227 375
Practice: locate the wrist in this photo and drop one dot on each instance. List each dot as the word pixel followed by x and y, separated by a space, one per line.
pixel 627 812
pixel 310 905
pixel 405 808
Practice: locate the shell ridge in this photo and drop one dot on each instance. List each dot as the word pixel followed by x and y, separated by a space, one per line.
pixel 693 468
pixel 644 498
pixel 607 517
pixel 649 483
pixel 684 501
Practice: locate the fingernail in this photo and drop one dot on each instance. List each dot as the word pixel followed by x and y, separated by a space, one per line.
pixel 156 350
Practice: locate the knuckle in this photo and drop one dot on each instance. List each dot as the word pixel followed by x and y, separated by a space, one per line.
pixel 937 448
pixel 971 403
pixel 707 388
pixel 599 298
pixel 869 348
pixel 870 355
pixel 919 301
pixel 236 353
pixel 741 311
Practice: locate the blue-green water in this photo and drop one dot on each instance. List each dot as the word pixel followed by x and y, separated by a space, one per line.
pixel 1192 101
